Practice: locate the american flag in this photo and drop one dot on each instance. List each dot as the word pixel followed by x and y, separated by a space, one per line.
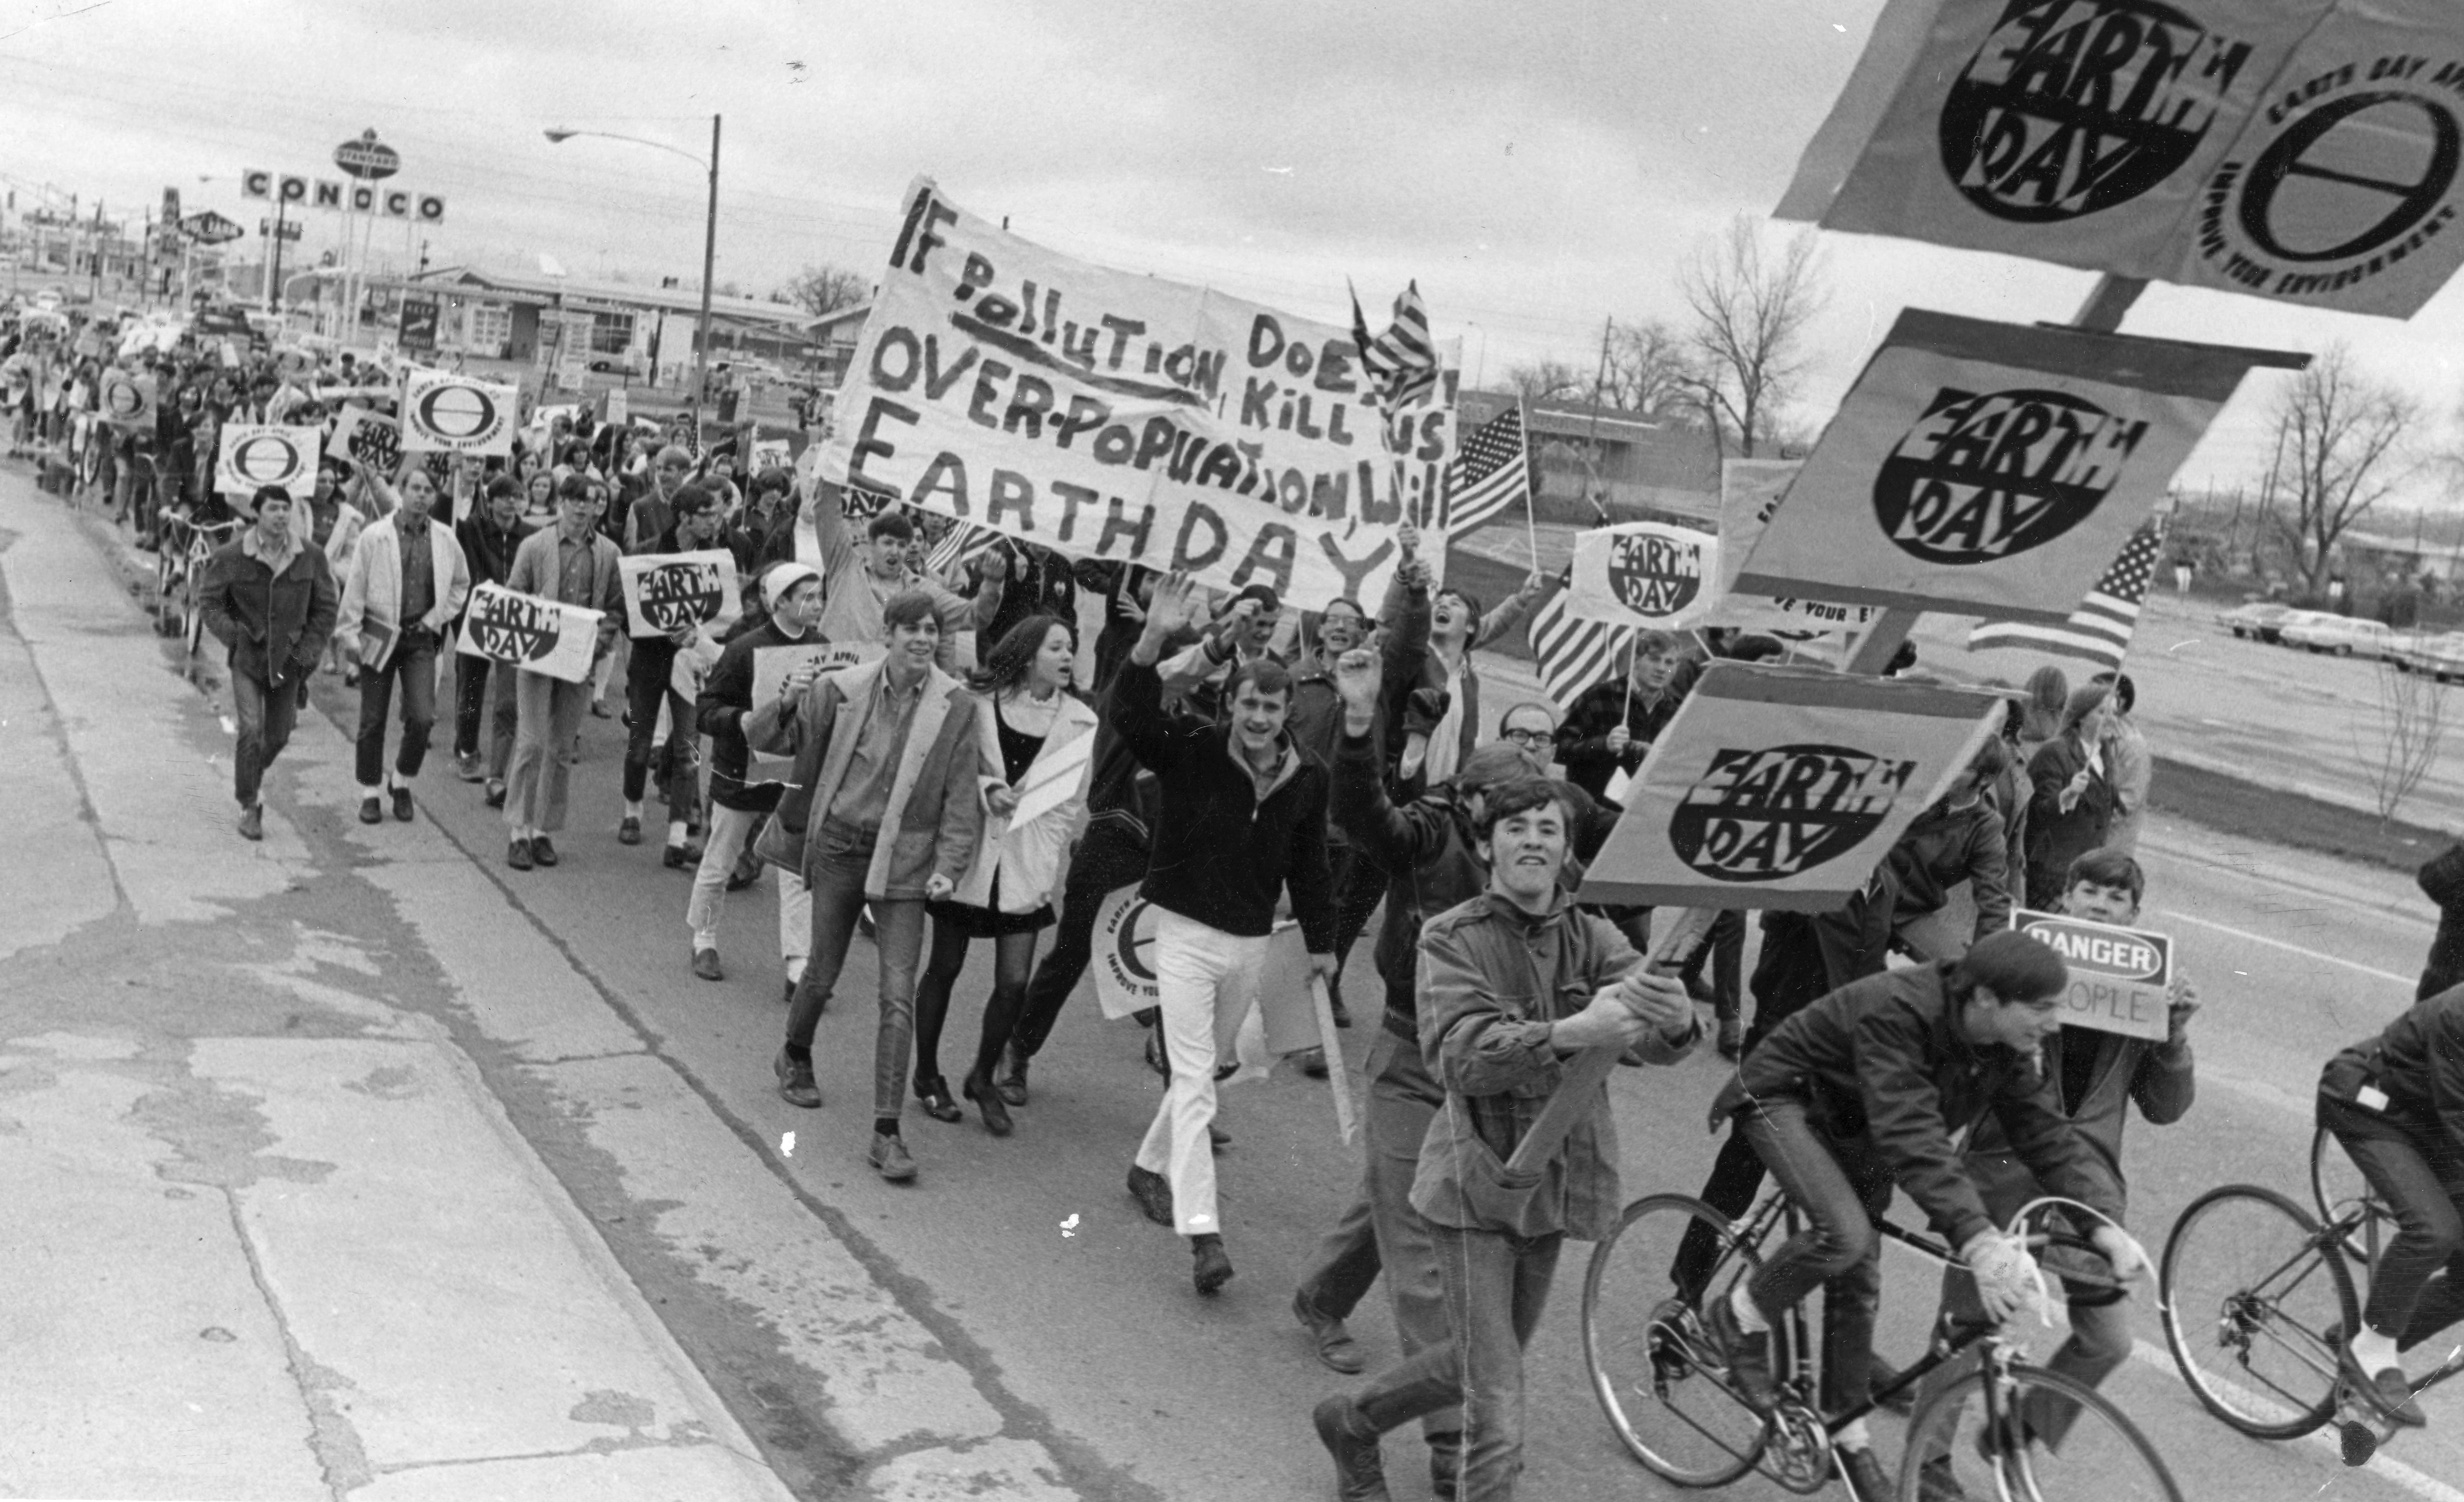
pixel 1492 474
pixel 1403 361
pixel 1573 654
pixel 2100 628
pixel 961 543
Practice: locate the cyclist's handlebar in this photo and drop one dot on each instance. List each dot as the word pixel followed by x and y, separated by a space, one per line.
pixel 2062 1252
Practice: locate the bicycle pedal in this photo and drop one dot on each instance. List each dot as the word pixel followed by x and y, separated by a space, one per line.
pixel 2358 1441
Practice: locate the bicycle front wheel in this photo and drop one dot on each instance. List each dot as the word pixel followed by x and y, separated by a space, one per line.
pixel 2034 1434
pixel 2337 1187
pixel 2255 1303
pixel 1655 1368
pixel 194 628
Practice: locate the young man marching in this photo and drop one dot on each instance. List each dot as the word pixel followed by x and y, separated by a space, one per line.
pixel 1243 815
pixel 1511 983
pixel 406 585
pixel 271 601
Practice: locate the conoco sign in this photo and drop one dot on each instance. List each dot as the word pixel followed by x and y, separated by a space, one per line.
pixel 368 157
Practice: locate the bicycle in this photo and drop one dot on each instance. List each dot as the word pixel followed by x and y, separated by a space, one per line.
pixel 2257 1318
pixel 180 557
pixel 1664 1384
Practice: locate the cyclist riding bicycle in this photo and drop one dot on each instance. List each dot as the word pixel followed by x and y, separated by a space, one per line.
pixel 1869 1087
pixel 2396 1104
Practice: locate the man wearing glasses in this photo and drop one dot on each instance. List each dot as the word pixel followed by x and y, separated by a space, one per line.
pixel 576 565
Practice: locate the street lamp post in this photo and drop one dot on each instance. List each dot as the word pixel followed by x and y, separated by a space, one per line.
pixel 709 249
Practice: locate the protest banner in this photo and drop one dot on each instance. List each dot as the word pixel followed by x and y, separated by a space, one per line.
pixel 1125 417
pixel 372 440
pixel 534 633
pixel 769 453
pixel 666 590
pixel 1750 489
pixel 126 400
pixel 771 665
pixel 1644 574
pixel 1125 973
pixel 1056 777
pixel 254 454
pixel 1990 470
pixel 618 408
pixel 2120 977
pixel 443 412
pixel 2303 150
pixel 1784 787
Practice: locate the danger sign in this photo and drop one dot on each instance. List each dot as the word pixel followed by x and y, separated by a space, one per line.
pixel 2120 977
pixel 447 413
pixel 254 455
pixel 1784 787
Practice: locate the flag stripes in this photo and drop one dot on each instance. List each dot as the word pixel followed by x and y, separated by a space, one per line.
pixel 1492 475
pixel 2100 628
pixel 1404 361
pixel 962 543
pixel 1573 654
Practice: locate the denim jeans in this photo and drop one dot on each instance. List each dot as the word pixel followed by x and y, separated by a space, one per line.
pixel 835 871
pixel 1379 1229
pixel 471 701
pixel 1496 1286
pixel 2425 1191
pixel 1840 1190
pixel 415 663
pixel 1194 964
pixel 265 716
pixel 646 674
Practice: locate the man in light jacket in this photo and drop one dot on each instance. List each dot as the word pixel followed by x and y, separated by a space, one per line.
pixel 406 585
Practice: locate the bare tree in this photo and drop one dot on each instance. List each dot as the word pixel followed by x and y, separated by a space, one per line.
pixel 2342 441
pixel 1650 370
pixel 1547 381
pixel 2411 720
pixel 1751 309
pixel 826 289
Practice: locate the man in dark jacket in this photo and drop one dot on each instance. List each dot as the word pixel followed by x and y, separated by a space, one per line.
pixel 2442 881
pixel 738 800
pixel 272 602
pixel 1612 724
pixel 650 682
pixel 1868 1088
pixel 1960 838
pixel 489 536
pixel 1242 817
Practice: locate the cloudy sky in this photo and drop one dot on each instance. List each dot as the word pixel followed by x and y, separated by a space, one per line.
pixel 1538 166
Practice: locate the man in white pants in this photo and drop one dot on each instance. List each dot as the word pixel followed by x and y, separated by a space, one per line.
pixel 741 797
pixel 1243 815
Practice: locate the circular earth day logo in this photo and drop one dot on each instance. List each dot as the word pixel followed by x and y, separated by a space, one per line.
pixel 267 459
pixel 1987 476
pixel 2072 107
pixel 1765 815
pixel 676 594
pixel 460 414
pixel 1653 574
pixel 512 629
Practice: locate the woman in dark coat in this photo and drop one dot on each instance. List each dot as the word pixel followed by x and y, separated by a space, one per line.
pixel 2073 806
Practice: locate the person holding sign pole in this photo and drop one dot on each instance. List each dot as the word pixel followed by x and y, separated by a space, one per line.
pixel 648 670
pixel 2099 1077
pixel 885 806
pixel 1512 984
pixel 1032 733
pixel 739 803
pixel 860 577
pixel 576 566
pixel 406 585
pixel 1241 817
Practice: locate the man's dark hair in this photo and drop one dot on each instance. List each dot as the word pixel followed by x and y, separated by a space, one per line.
pixel 579 487
pixel 1270 675
pixel 1993 759
pixel 1264 594
pixel 2126 693
pixel 909 607
pixel 269 492
pixel 691 500
pixel 2108 866
pixel 2011 964
pixel 505 486
pixel 1521 795
pixel 772 479
pixel 888 523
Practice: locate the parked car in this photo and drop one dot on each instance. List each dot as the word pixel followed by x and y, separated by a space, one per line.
pixel 2255 621
pixel 2345 636
pixel 2441 656
pixel 616 364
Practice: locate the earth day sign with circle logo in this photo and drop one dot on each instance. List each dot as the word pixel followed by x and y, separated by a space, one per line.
pixel 534 634
pixel 127 401
pixel 253 454
pixel 1990 470
pixel 1644 574
pixel 2310 153
pixel 1784 787
pixel 666 590
pixel 446 413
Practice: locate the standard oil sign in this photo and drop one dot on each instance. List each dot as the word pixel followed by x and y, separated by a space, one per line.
pixel 2119 976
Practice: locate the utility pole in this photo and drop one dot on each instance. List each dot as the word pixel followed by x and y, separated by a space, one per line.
pixel 708 267
pixel 273 261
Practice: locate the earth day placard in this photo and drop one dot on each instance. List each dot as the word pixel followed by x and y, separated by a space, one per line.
pixel 1119 416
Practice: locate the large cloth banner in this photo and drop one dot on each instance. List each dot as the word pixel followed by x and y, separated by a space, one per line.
pixel 2303 150
pixel 1119 416
pixel 1784 787
pixel 666 590
pixel 534 634
pixel 1750 489
pixel 446 413
pixel 1990 470
pixel 256 454
pixel 1644 574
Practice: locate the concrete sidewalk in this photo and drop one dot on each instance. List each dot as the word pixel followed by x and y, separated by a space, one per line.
pixel 272 1235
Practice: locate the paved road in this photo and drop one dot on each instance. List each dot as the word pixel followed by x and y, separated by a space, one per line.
pixel 1009 1325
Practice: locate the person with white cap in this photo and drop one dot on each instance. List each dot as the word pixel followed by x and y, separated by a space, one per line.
pixel 740 799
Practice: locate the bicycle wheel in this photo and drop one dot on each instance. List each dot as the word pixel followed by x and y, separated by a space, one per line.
pixel 193 629
pixel 1654 1365
pixel 166 600
pixel 2254 1300
pixel 2099 1457
pixel 2337 1187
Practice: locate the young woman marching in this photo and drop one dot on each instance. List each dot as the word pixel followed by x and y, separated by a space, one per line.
pixel 1029 734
